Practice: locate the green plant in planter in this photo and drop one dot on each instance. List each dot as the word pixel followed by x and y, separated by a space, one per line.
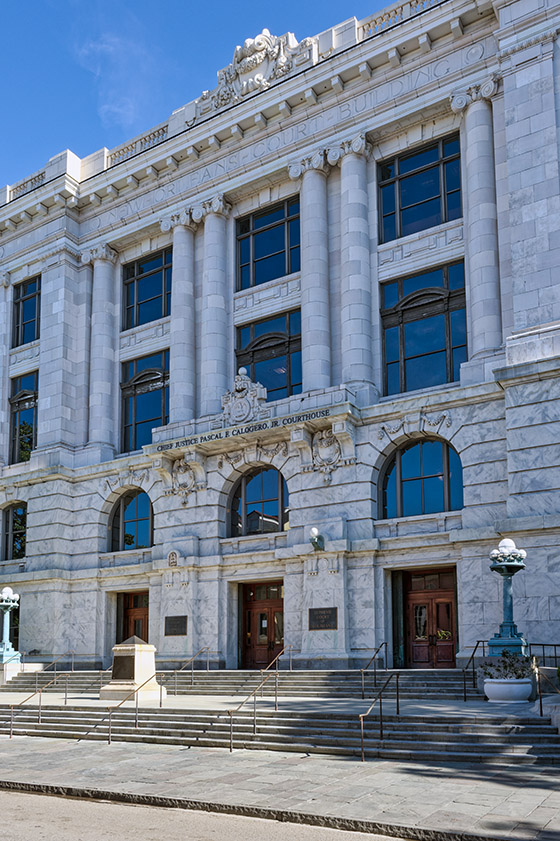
pixel 509 666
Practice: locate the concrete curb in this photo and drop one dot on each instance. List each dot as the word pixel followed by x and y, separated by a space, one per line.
pixel 413 833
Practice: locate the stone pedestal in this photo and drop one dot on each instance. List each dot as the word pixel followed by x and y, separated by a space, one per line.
pixel 134 662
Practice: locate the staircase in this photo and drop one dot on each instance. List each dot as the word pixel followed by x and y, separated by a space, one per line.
pixel 497 740
pixel 429 684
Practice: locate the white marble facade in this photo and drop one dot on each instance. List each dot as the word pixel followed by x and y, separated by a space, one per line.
pixel 311 118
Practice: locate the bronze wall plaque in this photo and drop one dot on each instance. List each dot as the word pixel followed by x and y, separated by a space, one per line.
pixel 175 626
pixel 123 667
pixel 323 618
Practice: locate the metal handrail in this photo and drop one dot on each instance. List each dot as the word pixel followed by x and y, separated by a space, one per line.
pixel 190 662
pixel 542 646
pixel 373 660
pixel 379 697
pixel 253 694
pixel 276 659
pixel 540 689
pixel 40 693
pixel 483 643
pixel 135 692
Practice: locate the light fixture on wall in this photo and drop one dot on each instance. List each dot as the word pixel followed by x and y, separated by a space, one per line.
pixel 317 540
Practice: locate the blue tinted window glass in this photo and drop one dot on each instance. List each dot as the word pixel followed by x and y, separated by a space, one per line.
pixel 244 336
pixel 389 227
pixel 142 505
pixel 458 327
pixel 253 488
pixel 425 371
pixel 410 462
pixel 29 309
pixel 453 206
pixel 420 217
pixel 268 242
pixel 391 493
pixel 455 481
pixel 29 333
pixel 244 250
pixel 390 294
pixel 295 323
pixel 148 406
pixel 459 356
pixel 270 516
pixel 130 294
pixel 245 277
pixel 393 378
pixel 293 207
pixel 422 281
pixel 386 170
pixel 426 156
pixel 294 232
pixel 149 287
pixel 432 458
pixel 27 383
pixel 388 199
pixel 456 275
pixel 392 344
pixel 130 537
pixel 270 268
pixel 433 495
pixel 452 175
pixel 150 310
pixel 270 484
pixel 268 217
pixel 295 360
pixel 295 259
pixel 149 264
pixel 144 433
pixel 270 325
pixel 424 336
pixel 412 497
pixel 451 147
pixel 142 534
pixel 151 361
pixel 272 373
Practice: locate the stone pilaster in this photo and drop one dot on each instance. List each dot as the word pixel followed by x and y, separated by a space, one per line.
pixel 62 355
pixel 481 225
pixel 315 307
pixel 182 363
pixel 103 434
pixel 214 345
pixel 356 282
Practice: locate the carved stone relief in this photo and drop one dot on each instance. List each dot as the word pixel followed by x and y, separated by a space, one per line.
pixel 188 474
pixel 245 402
pixel 326 450
pixel 132 476
pixel 415 422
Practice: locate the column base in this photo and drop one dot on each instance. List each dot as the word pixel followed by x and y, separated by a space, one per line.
pixel 94 454
pixel 515 644
pixel 481 368
pixel 8 653
pixel 366 394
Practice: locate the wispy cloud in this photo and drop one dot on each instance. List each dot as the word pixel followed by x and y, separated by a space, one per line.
pixel 126 74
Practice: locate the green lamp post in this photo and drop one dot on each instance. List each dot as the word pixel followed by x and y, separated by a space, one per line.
pixel 507 559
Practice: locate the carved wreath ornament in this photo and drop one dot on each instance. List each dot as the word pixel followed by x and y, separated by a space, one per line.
pixel 326 453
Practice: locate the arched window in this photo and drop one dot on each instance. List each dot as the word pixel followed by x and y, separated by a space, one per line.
pixel 14 528
pixel 422 478
pixel 131 526
pixel 260 503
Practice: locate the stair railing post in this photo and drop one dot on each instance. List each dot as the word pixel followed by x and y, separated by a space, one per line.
pixel 291 649
pixel 375 672
pixel 136 715
pixel 11 721
pixel 464 686
pixel 381 717
pixel 161 695
pixel 109 735
pixel 540 691
pixel 398 699
pixel 40 702
pixel 231 732
pixel 73 661
pixel 255 714
pixel 386 657
pixel 100 679
pixel 207 659
pixel 66 692
pixel 276 692
pixel 362 736
pixel 192 673
pixel 363 687
pixel 175 681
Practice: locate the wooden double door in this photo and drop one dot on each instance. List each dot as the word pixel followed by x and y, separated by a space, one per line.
pixel 263 623
pixel 135 615
pixel 430 620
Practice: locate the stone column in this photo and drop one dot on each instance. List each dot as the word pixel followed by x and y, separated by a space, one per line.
pixel 6 340
pixel 315 307
pixel 481 219
pixel 182 370
pixel 356 282
pixel 216 303
pixel 103 351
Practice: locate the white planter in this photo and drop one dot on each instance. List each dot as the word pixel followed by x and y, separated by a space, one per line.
pixel 508 690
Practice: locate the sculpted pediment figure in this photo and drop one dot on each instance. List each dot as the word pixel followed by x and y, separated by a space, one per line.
pixel 245 402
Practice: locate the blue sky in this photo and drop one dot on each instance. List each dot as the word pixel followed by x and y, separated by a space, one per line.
pixel 82 74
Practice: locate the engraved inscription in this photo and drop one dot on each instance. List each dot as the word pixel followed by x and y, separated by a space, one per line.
pixel 323 618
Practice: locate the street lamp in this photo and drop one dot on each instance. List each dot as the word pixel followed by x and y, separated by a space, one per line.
pixel 507 559
pixel 8 601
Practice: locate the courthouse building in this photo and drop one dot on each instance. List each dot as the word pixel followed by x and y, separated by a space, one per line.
pixel 324 295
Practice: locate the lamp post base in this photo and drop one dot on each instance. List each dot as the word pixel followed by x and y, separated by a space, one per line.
pixel 8 653
pixel 509 640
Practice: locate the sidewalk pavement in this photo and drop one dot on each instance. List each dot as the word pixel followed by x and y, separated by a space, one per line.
pixel 427 802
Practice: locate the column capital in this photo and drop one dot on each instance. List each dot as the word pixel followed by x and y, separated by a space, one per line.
pixel 316 161
pixel 182 219
pixel 103 251
pixel 485 90
pixel 358 146
pixel 217 204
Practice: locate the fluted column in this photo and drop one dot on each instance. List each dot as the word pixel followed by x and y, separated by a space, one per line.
pixel 214 344
pixel 481 219
pixel 182 362
pixel 315 307
pixel 355 294
pixel 103 350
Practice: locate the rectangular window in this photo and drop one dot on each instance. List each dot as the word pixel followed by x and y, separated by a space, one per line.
pixel 268 244
pixel 424 329
pixel 145 398
pixel 270 350
pixel 15 528
pixel 27 315
pixel 23 420
pixel 147 289
pixel 420 189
